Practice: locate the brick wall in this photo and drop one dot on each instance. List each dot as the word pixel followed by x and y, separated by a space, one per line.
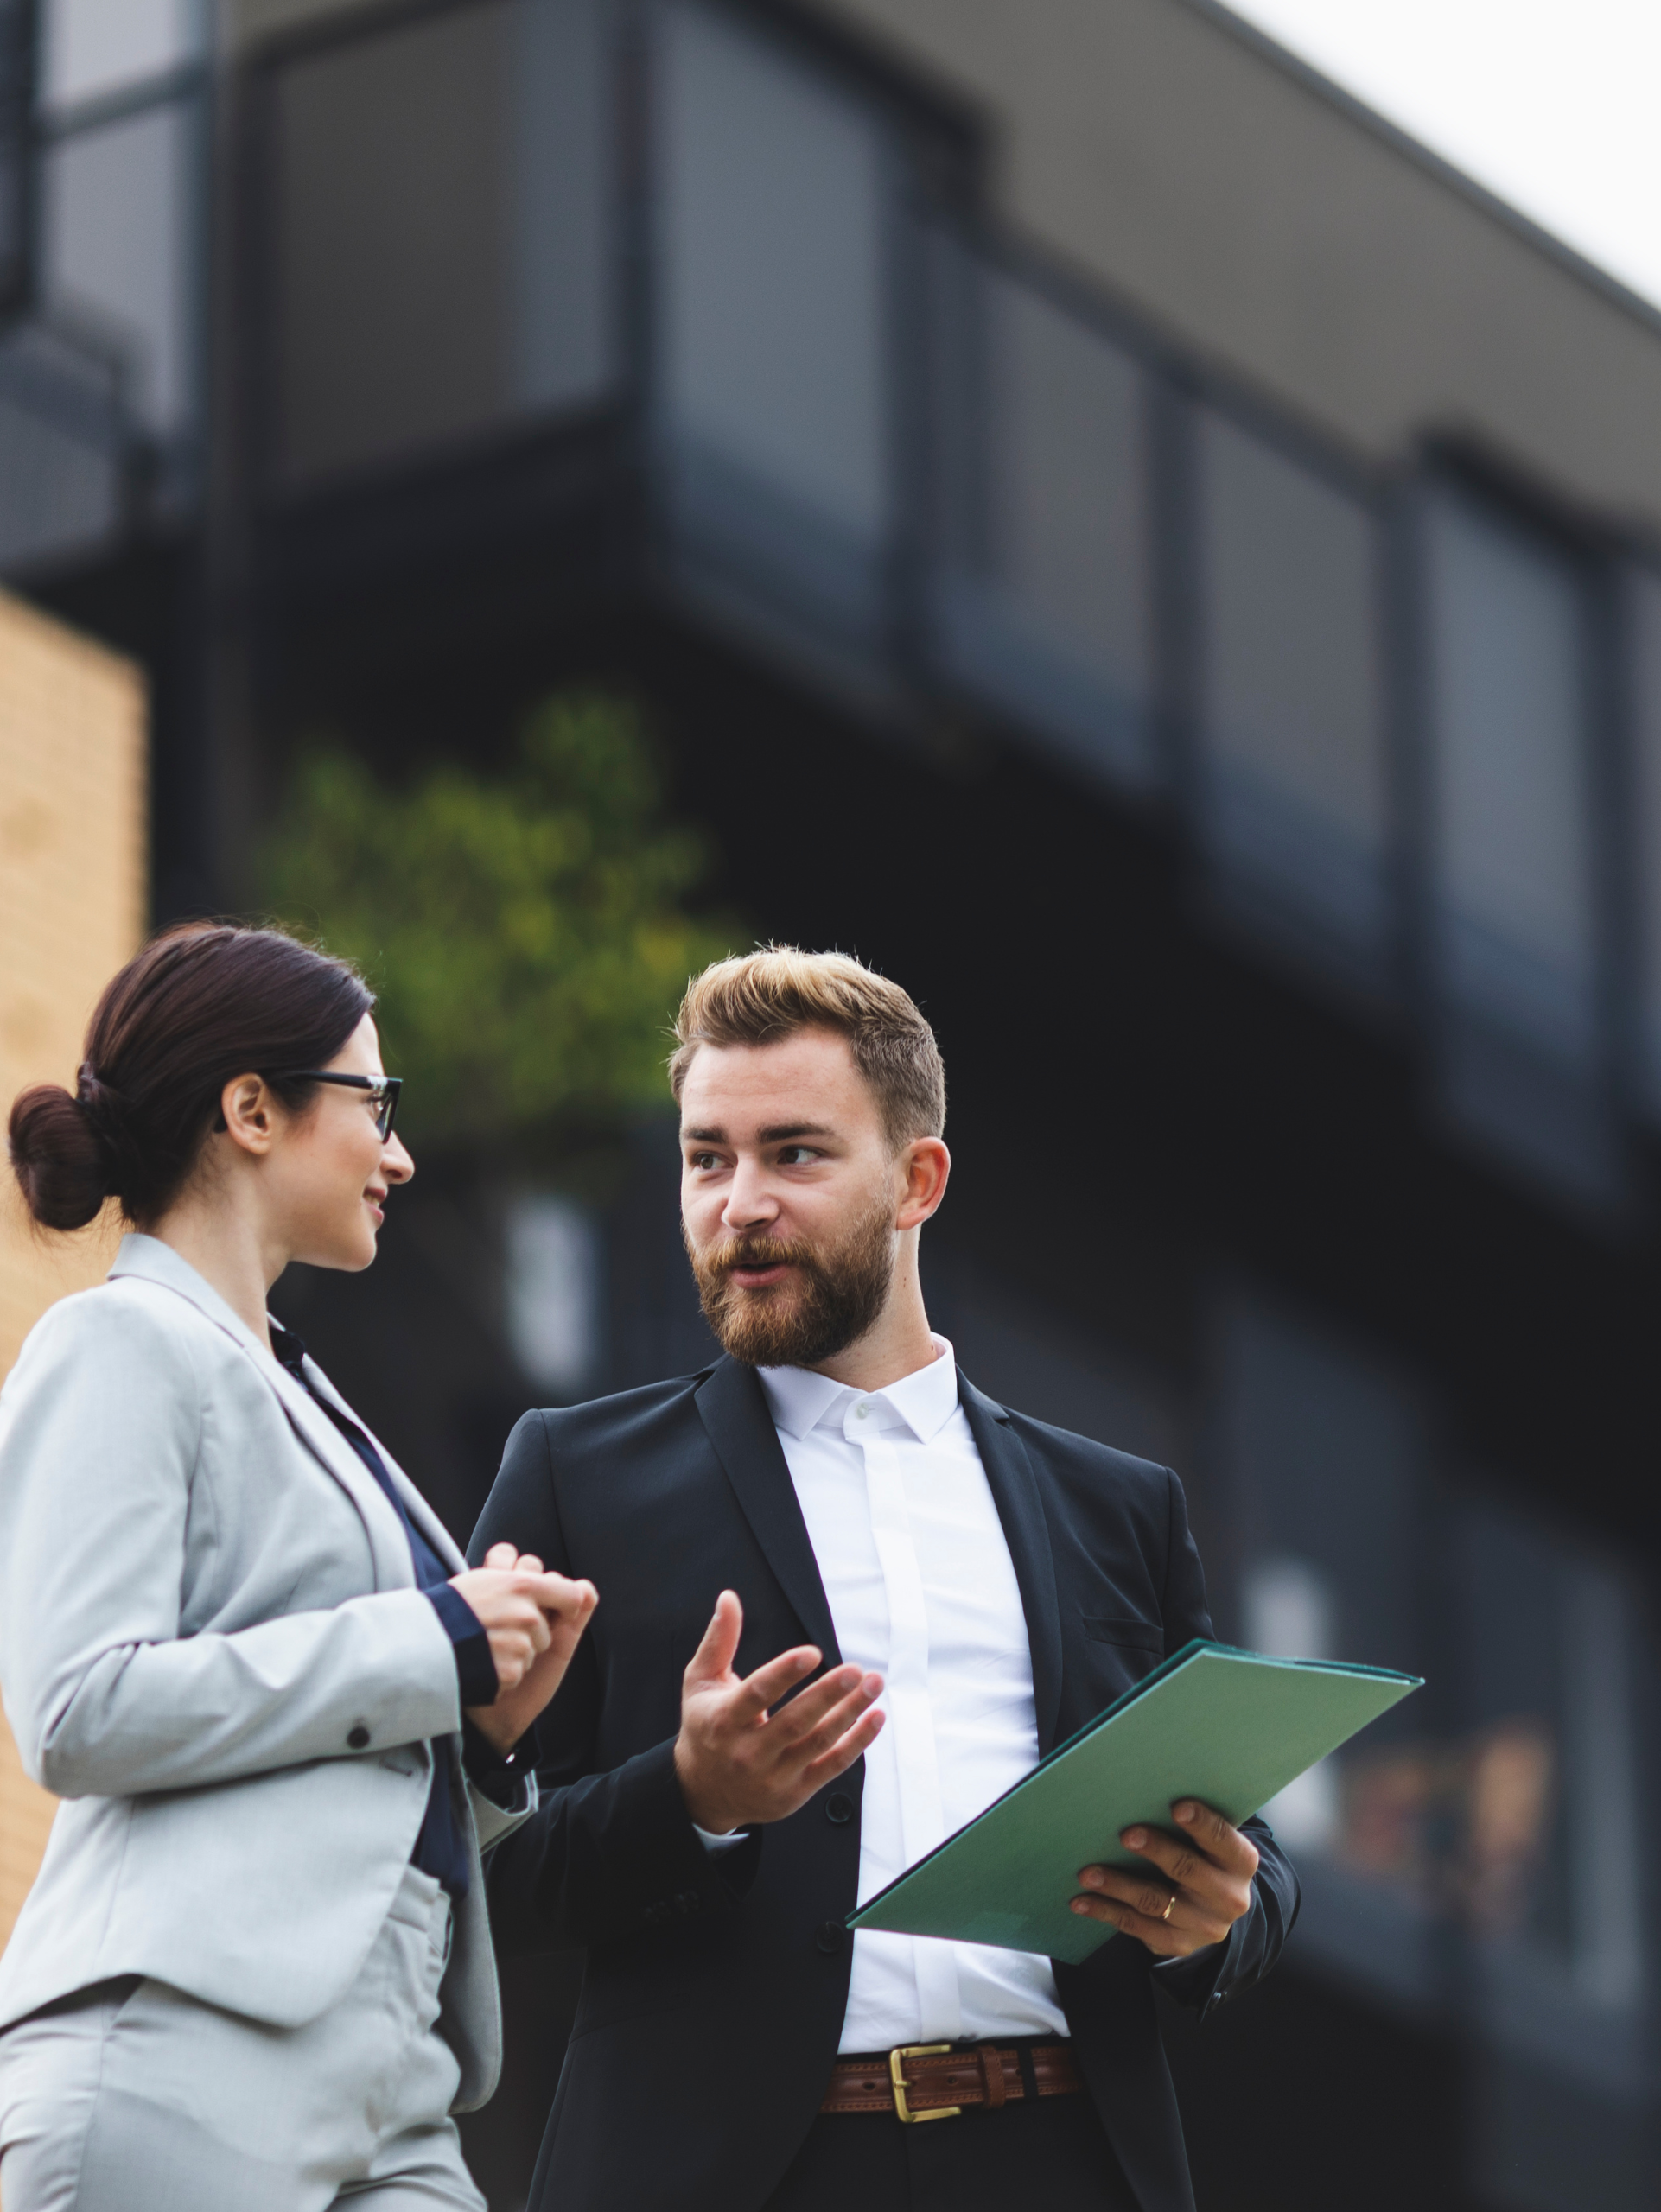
pixel 72 909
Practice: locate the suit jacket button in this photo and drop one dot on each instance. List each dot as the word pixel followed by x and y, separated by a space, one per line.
pixel 829 1938
pixel 357 1737
pixel 839 1809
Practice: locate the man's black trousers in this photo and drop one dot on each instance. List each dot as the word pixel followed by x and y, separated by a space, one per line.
pixel 1052 2154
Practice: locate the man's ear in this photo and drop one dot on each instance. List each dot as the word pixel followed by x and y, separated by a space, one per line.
pixel 925 1166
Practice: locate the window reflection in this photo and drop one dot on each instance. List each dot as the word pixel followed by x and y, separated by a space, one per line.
pixel 442 227
pixel 1643 636
pixel 1292 690
pixel 1516 930
pixel 1505 1800
pixel 774 336
pixel 118 223
pixel 91 48
pixel 1511 833
pixel 1040 510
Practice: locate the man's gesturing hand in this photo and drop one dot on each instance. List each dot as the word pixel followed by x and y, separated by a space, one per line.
pixel 1201 1887
pixel 739 1762
pixel 535 1622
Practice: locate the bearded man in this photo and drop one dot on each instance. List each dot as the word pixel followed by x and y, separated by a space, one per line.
pixel 916 1593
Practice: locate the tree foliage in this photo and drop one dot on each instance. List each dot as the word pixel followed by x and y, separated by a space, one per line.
pixel 526 932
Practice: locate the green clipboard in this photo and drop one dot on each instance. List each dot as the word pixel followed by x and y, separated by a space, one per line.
pixel 1230 1727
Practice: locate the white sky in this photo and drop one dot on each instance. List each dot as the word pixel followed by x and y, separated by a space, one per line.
pixel 1555 104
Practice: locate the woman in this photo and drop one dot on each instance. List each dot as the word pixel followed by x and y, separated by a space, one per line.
pixel 254 1974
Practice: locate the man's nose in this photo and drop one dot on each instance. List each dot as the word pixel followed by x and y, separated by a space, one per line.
pixel 750 1199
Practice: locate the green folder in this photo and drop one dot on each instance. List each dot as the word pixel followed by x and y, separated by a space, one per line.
pixel 1230 1727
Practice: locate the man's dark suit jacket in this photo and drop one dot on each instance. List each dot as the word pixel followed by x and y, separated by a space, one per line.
pixel 714 1987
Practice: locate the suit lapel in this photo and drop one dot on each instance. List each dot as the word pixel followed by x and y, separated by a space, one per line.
pixel 1021 1509
pixel 735 1413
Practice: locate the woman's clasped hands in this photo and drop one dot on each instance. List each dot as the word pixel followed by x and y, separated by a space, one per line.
pixel 535 1621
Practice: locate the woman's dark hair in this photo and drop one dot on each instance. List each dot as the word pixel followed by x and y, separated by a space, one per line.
pixel 198 1006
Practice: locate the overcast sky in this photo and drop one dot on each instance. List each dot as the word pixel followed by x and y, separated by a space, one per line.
pixel 1555 104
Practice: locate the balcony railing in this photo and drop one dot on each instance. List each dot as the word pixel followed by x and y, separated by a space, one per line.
pixel 64 452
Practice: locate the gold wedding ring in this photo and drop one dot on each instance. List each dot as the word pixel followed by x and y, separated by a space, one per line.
pixel 1169 1902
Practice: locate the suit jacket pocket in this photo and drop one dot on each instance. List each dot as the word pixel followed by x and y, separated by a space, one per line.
pixel 1124 1628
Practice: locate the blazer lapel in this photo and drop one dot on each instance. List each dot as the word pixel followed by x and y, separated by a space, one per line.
pixel 735 1412
pixel 413 1502
pixel 1014 1492
pixel 149 1258
pixel 394 1565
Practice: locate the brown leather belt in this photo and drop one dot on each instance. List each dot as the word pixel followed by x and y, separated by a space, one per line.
pixel 938 2080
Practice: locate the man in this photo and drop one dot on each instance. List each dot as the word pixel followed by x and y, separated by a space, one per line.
pixel 916 1593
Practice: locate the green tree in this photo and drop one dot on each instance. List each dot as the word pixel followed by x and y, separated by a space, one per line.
pixel 526 932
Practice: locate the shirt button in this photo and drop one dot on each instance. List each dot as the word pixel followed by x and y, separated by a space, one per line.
pixel 839 1809
pixel 357 1737
pixel 829 1938
pixel 862 1412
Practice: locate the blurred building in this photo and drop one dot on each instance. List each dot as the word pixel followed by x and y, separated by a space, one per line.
pixel 1121 537
pixel 72 908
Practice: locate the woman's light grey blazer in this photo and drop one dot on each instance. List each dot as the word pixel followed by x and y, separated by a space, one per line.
pixel 213 1646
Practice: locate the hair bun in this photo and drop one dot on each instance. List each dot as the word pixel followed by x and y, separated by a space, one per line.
pixel 62 1150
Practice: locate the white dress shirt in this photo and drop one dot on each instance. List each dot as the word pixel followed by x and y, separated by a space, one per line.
pixel 922 1591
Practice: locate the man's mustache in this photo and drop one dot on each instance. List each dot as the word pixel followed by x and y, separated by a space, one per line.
pixel 755 1252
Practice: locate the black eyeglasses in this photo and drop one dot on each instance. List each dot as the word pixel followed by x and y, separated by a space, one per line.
pixel 383 1089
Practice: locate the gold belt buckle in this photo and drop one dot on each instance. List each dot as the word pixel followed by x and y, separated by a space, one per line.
pixel 897 2076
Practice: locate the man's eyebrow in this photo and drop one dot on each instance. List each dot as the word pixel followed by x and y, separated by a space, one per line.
pixel 780 1133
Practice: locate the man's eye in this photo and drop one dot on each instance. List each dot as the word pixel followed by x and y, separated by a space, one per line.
pixel 796 1155
pixel 705 1161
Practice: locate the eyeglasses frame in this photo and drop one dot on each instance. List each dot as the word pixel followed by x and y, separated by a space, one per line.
pixel 384 1088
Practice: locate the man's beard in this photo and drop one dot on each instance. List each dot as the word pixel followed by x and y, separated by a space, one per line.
pixel 831 1297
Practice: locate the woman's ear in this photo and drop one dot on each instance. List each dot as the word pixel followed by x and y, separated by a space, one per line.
pixel 248 1113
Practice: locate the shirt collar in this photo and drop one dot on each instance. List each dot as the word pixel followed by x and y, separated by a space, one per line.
pixel 799 1398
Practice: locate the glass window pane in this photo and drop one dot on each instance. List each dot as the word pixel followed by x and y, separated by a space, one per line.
pixel 773 197
pixel 119 218
pixel 17 100
pixel 1546 1850
pixel 1328 1456
pixel 1511 828
pixel 443 230
pixel 91 47
pixel 1040 499
pixel 1644 645
pixel 1292 702
pixel 552 1289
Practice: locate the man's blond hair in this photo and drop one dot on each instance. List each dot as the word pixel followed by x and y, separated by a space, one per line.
pixel 757 998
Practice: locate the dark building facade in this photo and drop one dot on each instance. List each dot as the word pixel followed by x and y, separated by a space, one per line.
pixel 1236 718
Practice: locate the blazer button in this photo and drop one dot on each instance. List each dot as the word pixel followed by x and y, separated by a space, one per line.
pixel 357 1737
pixel 839 1809
pixel 829 1938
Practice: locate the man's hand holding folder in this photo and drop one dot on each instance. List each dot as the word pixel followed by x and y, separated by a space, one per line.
pixel 1203 1885
pixel 1209 1736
